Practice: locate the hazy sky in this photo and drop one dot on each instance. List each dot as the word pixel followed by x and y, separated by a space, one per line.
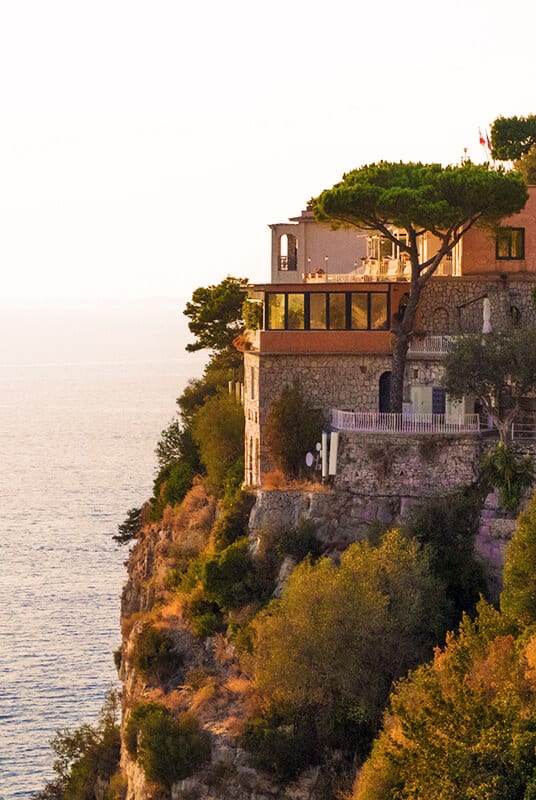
pixel 145 146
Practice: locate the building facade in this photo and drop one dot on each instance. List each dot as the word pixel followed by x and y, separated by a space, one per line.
pixel 332 303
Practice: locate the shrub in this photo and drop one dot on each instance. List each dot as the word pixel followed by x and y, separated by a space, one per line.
pixel 233 521
pixel 155 656
pixel 218 430
pixel 204 615
pixel 228 578
pixel 293 427
pixel 448 525
pixel 518 598
pixel 85 756
pixel 279 746
pixel 170 487
pixel 169 749
pixel 509 474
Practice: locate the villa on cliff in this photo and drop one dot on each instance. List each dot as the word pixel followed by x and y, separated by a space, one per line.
pixel 330 306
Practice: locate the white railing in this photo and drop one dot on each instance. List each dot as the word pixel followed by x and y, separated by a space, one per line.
pixel 523 430
pixel 376 422
pixel 432 344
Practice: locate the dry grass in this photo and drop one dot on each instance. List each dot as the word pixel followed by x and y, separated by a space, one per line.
pixel 276 481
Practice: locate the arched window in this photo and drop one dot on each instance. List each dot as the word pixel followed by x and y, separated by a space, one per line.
pixel 385 392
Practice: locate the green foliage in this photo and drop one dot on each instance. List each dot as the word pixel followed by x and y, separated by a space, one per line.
pixel 228 578
pixel 508 473
pixel 518 598
pixel 274 544
pixel 215 314
pixel 499 368
pixel 513 137
pixel 339 636
pixel 218 429
pixel 461 726
pixel 130 528
pixel 293 428
pixel 169 749
pixel 448 525
pixel 419 198
pixel 252 314
pixel 176 444
pixel 155 656
pixel 170 487
pixel 233 520
pixel 85 756
pixel 280 747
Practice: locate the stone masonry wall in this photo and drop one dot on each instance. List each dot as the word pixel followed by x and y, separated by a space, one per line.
pixel 379 479
pixel 446 305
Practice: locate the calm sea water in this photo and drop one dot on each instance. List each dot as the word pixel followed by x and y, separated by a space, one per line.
pixel 84 394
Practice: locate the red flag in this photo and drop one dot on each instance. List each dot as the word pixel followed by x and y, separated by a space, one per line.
pixel 481 138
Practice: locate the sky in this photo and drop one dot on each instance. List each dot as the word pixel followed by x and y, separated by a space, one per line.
pixel 146 146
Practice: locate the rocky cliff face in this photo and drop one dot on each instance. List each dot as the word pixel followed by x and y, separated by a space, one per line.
pixel 206 680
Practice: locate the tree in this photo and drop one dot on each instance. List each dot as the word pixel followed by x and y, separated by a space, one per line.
pixel 406 203
pixel 499 368
pixel 514 139
pixel 218 429
pixel 85 756
pixel 215 314
pixel 463 725
pixel 518 598
pixel 329 650
pixel 293 427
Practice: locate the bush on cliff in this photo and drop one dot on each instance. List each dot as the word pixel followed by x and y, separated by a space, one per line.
pixel 218 430
pixel 518 598
pixel 168 749
pixel 332 646
pixel 155 655
pixel 85 756
pixel 448 524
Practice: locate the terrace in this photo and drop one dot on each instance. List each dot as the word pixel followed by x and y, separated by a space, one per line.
pixel 407 422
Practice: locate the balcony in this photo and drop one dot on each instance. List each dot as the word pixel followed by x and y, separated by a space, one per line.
pixel 432 346
pixel 406 423
pixel 374 269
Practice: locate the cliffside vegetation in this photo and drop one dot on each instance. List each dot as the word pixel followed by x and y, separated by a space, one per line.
pixel 464 724
pixel 264 651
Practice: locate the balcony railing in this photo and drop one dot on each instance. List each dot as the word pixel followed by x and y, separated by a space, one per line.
pixel 436 345
pixel 373 269
pixel 376 422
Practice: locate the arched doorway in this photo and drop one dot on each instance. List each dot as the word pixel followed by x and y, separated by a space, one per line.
pixel 385 392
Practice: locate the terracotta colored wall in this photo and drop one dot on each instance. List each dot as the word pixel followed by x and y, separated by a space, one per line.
pixel 478 255
pixel 325 342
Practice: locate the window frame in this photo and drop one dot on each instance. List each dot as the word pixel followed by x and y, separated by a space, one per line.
pixel 509 229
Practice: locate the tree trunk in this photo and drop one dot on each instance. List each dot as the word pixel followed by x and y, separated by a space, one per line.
pixel 400 351
pixel 400 348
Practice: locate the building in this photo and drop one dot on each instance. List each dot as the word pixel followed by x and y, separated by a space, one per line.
pixel 331 304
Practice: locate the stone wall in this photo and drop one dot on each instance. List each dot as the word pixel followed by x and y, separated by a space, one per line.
pixel 379 479
pixel 454 305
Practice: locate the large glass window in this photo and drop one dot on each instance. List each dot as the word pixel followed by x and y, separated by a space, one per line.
pixel 317 311
pixel 378 311
pixel 510 243
pixel 296 312
pixel 337 311
pixel 276 311
pixel 360 311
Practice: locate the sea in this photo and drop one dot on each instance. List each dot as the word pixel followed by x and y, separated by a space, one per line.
pixel 85 390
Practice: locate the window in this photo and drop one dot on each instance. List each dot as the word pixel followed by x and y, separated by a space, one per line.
pixel 510 243
pixel 320 311
pixel 317 311
pixel 378 311
pixel 276 311
pixel 296 312
pixel 337 311
pixel 359 311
